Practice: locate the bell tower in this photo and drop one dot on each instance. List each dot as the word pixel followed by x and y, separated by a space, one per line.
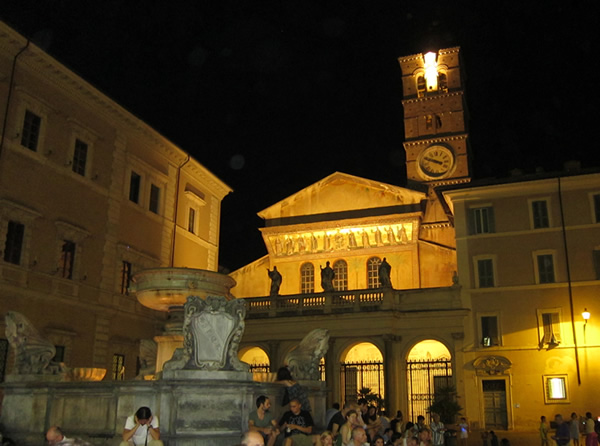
pixel 434 118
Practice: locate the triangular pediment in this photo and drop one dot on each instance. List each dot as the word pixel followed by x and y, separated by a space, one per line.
pixel 340 192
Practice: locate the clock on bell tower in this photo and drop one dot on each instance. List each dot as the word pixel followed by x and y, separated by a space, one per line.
pixel 434 118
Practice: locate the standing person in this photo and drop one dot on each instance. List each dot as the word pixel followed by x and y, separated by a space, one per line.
pixel 493 439
pixel 298 425
pixel 262 421
pixel 437 430
pixel 563 434
pixel 574 429
pixel 544 431
pixel 141 429
pixel 293 390
pixel 339 419
pixel 591 437
pixel 397 424
pixel 463 428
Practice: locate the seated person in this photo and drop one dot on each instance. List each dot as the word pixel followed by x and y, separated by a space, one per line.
pixel 56 437
pixel 297 425
pixel 252 438
pixel 261 420
pixel 141 429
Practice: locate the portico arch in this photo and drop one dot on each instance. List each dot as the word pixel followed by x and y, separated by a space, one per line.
pixel 428 367
pixel 361 367
pixel 256 358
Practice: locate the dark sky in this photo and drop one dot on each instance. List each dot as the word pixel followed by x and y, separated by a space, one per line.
pixel 272 96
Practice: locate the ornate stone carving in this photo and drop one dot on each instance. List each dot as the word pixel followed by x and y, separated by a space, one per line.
pixel 212 331
pixel 303 360
pixel 33 354
pixel 491 365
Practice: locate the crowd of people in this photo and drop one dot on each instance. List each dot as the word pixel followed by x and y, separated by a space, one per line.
pixel 570 431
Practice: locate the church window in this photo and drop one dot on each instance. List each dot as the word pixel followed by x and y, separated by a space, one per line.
pixel 340 282
pixel 373 272
pixel 31 130
pixel 14 242
pixel 539 214
pixel 481 220
pixel 307 278
pixel 421 86
pixel 443 82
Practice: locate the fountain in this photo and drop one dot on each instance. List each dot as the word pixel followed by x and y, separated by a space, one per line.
pixel 202 395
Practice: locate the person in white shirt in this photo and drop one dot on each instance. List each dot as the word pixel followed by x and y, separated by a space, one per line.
pixel 141 429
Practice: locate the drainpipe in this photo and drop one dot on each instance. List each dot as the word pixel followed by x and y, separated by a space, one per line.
pixel 175 210
pixel 10 89
pixel 570 288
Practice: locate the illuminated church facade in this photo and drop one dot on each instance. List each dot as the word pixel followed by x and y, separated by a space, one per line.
pixel 489 278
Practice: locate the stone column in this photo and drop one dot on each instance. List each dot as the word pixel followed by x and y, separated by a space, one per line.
pixel 274 361
pixel 392 372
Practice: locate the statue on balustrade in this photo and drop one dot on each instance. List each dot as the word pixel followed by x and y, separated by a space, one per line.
pixel 276 278
pixel 385 270
pixel 33 353
pixel 327 276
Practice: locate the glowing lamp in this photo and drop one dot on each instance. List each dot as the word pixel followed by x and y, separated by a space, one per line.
pixel 585 315
pixel 431 71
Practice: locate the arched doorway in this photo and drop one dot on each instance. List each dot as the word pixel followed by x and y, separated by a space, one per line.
pixel 428 367
pixel 361 368
pixel 256 358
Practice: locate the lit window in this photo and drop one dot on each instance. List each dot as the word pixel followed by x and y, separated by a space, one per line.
pixel 154 198
pixel 485 273
pixel 481 220
pixel 489 331
pixel 80 157
pixel 67 260
pixel 421 86
pixel 31 130
pixel 125 277
pixel 340 282
pixel 555 389
pixel 373 272
pixel 307 278
pixel 134 187
pixel 192 220
pixel 443 82
pixel 539 214
pixel 118 367
pixel 14 242
pixel 545 268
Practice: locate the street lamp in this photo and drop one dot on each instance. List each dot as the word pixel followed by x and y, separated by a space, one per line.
pixel 586 316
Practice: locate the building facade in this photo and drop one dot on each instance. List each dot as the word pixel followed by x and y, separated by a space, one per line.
pixel 89 195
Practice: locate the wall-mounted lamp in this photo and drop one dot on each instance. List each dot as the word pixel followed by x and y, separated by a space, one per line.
pixel 586 316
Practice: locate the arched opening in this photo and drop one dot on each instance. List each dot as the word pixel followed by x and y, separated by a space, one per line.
pixel 256 358
pixel 361 369
pixel 373 272
pixel 307 278
pixel 340 280
pixel 428 368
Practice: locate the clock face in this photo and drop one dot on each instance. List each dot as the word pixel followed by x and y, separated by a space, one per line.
pixel 436 161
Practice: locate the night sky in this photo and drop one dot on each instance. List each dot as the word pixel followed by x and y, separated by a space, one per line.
pixel 272 96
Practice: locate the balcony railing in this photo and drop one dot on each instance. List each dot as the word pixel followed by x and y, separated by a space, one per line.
pixel 350 301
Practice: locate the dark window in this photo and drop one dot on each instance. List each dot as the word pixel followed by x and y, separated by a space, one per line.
pixel 59 356
pixel 597 208
pixel 192 221
pixel 3 358
pixel 545 263
pixel 118 367
pixel 481 220
pixel 80 157
pixel 373 272
pixel 485 272
pixel 14 242
pixel 125 277
pixel 596 257
pixel 443 82
pixel 489 331
pixel 31 130
pixel 307 278
pixel 67 260
pixel 134 187
pixel 539 211
pixel 154 198
pixel 340 280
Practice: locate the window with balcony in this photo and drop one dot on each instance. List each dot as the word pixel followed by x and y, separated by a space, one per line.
pixel 340 281
pixel 481 220
pixel 373 272
pixel 307 278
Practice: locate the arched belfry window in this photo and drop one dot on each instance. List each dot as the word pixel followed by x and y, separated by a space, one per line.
pixel 421 85
pixel 307 278
pixel 442 82
pixel 340 282
pixel 373 272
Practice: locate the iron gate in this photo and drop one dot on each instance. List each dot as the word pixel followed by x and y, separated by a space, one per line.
pixel 358 375
pixel 424 377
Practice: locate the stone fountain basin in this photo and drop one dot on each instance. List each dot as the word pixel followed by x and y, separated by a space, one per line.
pixel 162 288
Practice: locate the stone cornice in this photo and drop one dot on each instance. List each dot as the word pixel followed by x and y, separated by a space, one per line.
pixel 432 97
